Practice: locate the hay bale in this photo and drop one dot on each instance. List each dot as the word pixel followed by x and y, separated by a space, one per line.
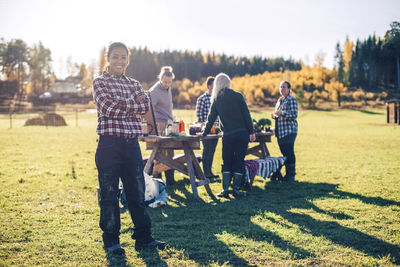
pixel 49 119
pixel 34 121
pixel 53 119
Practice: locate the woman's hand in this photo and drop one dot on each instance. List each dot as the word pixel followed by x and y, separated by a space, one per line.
pixel 252 137
pixel 278 113
pixel 140 98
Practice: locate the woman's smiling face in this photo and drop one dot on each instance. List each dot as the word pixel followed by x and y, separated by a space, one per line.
pixel 284 89
pixel 118 61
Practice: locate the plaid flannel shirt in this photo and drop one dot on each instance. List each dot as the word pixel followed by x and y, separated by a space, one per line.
pixel 203 105
pixel 118 111
pixel 286 122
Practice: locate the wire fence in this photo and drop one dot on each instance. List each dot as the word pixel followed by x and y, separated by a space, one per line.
pixel 47 116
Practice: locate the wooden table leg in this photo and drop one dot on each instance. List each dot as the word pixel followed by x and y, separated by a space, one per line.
pixel 200 175
pixel 150 162
pixel 264 149
pixel 191 170
pixel 259 150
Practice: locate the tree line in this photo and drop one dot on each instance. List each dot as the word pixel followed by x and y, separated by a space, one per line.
pixel 373 63
pixel 367 65
pixel 145 65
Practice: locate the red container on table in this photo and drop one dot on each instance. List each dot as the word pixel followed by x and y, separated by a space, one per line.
pixel 181 126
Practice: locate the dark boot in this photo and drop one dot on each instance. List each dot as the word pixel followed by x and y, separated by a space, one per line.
pixel 140 245
pixel 290 172
pixel 116 250
pixel 237 181
pixel 226 180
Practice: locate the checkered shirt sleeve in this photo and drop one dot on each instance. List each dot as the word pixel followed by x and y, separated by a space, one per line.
pixel 287 123
pixel 203 105
pixel 117 108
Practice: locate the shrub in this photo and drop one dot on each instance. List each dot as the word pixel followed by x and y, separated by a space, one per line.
pixel 358 95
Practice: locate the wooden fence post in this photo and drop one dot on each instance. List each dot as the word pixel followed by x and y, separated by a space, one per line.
pixel 11 118
pixel 76 117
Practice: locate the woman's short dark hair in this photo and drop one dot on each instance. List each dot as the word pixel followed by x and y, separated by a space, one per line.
pixel 287 83
pixel 210 80
pixel 116 45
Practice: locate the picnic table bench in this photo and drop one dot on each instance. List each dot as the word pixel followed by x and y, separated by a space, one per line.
pixel 188 163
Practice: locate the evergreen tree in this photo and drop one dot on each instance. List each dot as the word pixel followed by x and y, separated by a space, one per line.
pixel 392 47
pixel 15 60
pixel 339 63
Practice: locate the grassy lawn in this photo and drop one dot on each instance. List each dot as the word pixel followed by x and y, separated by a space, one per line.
pixel 344 208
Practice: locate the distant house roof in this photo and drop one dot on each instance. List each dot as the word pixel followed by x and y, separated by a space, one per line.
pixel 70 85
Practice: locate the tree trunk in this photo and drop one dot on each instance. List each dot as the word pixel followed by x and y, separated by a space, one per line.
pixel 339 100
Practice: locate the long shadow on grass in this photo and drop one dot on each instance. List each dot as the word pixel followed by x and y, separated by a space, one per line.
pixel 300 195
pixel 116 261
pixel 370 112
pixel 217 232
pixel 206 232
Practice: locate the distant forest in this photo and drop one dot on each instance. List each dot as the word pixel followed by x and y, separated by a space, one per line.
pixel 365 70
pixel 145 65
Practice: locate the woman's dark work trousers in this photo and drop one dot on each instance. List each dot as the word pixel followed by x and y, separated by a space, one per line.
pixel 116 158
pixel 234 148
pixel 286 145
pixel 208 156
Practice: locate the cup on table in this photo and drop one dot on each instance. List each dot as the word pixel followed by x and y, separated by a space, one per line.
pixel 161 128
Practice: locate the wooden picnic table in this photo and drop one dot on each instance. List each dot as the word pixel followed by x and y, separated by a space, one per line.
pixel 260 150
pixel 160 144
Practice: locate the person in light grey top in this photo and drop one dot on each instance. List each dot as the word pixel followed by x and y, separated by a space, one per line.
pixel 161 95
pixel 161 100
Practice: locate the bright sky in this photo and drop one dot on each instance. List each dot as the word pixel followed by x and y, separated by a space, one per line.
pixel 296 28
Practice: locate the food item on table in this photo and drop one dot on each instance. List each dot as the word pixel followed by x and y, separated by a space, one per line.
pixel 172 134
pixel 195 128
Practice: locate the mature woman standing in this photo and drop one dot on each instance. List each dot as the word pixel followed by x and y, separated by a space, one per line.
pixel 286 128
pixel 161 99
pixel 120 101
pixel 237 127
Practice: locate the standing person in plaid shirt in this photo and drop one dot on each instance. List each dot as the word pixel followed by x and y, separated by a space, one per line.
pixel 286 128
pixel 120 101
pixel 202 107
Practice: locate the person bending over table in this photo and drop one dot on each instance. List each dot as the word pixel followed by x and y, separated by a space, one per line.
pixel 120 101
pixel 237 127
pixel 203 105
pixel 161 98
pixel 286 128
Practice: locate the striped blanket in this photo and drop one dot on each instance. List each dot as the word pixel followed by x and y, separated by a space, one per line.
pixel 261 167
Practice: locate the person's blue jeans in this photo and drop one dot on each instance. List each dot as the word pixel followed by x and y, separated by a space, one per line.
pixel 286 145
pixel 208 155
pixel 116 158
pixel 234 148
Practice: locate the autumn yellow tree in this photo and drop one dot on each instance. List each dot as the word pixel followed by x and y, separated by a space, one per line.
pixel 347 54
pixel 335 88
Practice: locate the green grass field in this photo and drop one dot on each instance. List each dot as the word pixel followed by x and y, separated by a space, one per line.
pixel 343 210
